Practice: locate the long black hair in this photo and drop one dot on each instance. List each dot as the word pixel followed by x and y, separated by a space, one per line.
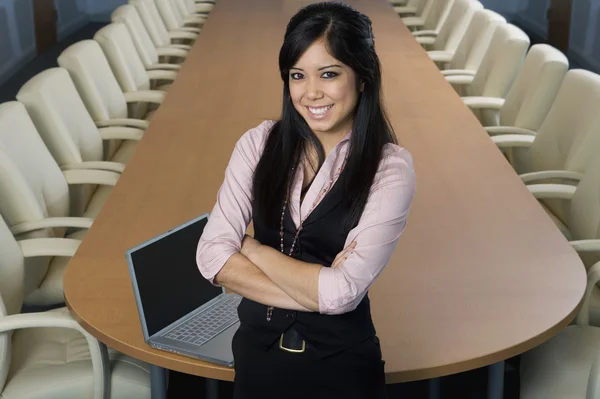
pixel 348 36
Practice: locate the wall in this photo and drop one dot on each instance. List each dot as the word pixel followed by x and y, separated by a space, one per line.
pixel 17 35
pixel 585 25
pixel 100 10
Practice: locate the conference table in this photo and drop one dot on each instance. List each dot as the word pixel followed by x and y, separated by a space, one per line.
pixel 481 274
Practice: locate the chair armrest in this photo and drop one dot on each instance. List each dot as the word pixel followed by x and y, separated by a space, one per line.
pixel 162 75
pixel 412 22
pixel 495 130
pixel 180 34
pixel 593 277
pixel 162 67
pixel 190 30
pixel 586 245
pixel 513 140
pixel 98 351
pixel 460 79
pixel 90 176
pixel 184 47
pixel 171 52
pixel 76 222
pixel 425 32
pixel 552 191
pixel 427 40
pixel 34 247
pixel 96 165
pixel 449 72
pixel 124 122
pixel 121 133
pixel 405 10
pixel 440 56
pixel 551 174
pixel 200 7
pixel 148 96
pixel 193 20
pixel 483 102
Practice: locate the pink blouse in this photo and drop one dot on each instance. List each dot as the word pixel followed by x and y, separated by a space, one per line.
pixel 383 220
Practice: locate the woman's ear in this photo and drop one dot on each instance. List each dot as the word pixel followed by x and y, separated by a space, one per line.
pixel 361 88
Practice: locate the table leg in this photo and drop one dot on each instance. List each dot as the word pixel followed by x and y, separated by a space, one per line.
pixel 496 381
pixel 158 382
pixel 212 388
pixel 434 388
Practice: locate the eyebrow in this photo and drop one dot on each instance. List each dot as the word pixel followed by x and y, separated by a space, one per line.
pixel 320 69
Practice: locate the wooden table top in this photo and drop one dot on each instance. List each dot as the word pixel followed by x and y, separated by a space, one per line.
pixel 481 273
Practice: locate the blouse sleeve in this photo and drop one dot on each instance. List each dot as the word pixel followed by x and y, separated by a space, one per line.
pixel 383 220
pixel 229 219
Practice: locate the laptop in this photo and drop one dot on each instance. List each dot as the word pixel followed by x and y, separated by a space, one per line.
pixel 180 311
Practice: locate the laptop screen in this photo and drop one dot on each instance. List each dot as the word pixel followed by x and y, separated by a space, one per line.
pixel 167 277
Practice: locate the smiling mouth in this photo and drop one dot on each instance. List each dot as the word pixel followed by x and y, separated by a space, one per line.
pixel 319 112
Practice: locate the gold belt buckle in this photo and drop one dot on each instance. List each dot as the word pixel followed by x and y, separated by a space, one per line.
pixel 291 350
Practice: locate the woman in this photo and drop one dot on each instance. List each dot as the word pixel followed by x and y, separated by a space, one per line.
pixel 328 192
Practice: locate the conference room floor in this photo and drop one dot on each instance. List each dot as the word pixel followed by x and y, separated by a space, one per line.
pixel 467 385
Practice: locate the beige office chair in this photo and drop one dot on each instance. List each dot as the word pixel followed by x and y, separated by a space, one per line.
pixel 35 199
pixel 431 15
pixel 129 70
pixel 473 45
pixel 528 101
pixel 157 30
pixel 413 8
pixel 67 128
pixel 454 29
pixel 167 58
pixel 98 87
pixel 174 21
pixel 568 365
pixel 190 7
pixel 499 68
pixel 566 142
pixel 48 355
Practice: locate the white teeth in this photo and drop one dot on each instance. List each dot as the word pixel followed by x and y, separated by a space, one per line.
pixel 320 110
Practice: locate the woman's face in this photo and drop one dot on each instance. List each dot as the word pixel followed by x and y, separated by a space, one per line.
pixel 323 91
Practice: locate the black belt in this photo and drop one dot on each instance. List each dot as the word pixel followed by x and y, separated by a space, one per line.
pixel 291 341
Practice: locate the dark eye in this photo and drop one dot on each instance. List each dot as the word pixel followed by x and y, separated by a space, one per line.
pixel 296 75
pixel 329 75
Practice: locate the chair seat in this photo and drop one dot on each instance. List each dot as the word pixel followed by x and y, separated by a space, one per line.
pixel 54 363
pixel 561 226
pixel 560 367
pixel 51 292
pixel 125 151
pixel 150 115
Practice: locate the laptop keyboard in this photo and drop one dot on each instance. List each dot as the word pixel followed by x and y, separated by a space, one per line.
pixel 209 323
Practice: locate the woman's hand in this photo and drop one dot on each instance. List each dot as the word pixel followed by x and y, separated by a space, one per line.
pixel 342 256
pixel 249 246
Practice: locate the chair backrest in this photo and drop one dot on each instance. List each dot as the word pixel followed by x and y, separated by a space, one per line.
pixel 424 8
pixel 501 62
pixel 152 21
pixel 61 117
pixel 583 219
pixel 116 43
pixel 438 14
pixel 128 15
pixel 169 14
pixel 535 88
pixel 182 8
pixel 11 291
pixel 456 25
pixel 94 79
pixel 476 40
pixel 32 186
pixel 569 137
